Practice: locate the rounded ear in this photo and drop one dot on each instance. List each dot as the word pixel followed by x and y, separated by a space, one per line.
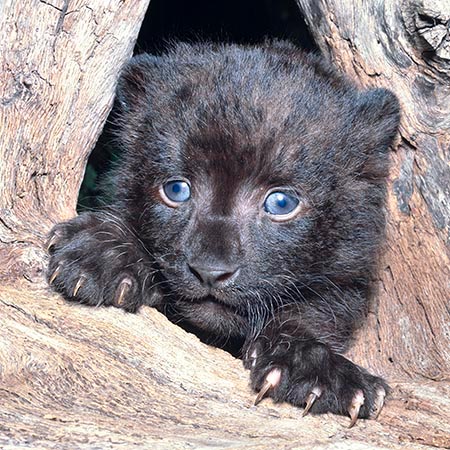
pixel 135 80
pixel 378 110
pixel 375 121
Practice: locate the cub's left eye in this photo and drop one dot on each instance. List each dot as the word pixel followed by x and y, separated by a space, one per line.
pixel 281 205
pixel 174 192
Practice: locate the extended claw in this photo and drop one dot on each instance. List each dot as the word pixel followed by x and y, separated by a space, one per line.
pixel 55 274
pixel 51 242
pixel 312 397
pixel 80 283
pixel 267 385
pixel 379 402
pixel 124 287
pixel 272 379
pixel 357 402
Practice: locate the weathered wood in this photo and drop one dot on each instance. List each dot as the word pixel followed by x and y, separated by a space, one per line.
pixel 59 61
pixel 77 377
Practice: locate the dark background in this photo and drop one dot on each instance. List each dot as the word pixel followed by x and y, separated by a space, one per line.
pixel 239 21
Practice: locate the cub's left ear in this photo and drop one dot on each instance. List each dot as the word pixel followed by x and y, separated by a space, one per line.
pixel 379 110
pixel 376 118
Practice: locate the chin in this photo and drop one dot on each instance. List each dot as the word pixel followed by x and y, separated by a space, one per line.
pixel 210 314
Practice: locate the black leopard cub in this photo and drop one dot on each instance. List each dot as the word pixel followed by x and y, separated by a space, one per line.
pixel 248 206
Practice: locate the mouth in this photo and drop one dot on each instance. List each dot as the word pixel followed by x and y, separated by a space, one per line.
pixel 213 316
pixel 184 292
pixel 212 301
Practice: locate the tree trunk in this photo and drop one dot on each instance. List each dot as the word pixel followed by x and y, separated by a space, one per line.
pixel 77 377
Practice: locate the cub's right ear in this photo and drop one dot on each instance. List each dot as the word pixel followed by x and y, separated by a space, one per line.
pixel 134 81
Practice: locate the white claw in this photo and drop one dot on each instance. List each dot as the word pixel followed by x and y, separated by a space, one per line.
pixel 357 402
pixel 55 274
pixel 316 390
pixel 253 357
pixel 315 393
pixel 272 379
pixel 379 402
pixel 52 241
pixel 80 283
pixel 124 287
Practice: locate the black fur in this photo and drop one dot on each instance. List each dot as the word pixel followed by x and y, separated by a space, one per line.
pixel 236 122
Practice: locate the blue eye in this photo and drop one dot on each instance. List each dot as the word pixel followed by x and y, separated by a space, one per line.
pixel 280 203
pixel 177 191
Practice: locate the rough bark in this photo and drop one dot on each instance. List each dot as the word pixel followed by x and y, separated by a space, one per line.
pixel 77 377
pixel 59 63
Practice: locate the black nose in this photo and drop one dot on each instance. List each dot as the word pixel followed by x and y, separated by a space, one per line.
pixel 213 276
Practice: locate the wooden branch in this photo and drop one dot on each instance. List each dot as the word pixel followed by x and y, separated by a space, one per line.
pixel 78 377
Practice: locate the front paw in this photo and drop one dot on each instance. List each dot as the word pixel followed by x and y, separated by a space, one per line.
pixel 95 260
pixel 308 374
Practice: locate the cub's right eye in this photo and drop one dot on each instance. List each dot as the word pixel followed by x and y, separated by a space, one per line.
pixel 282 206
pixel 175 192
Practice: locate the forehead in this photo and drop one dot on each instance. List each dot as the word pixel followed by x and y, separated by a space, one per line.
pixel 236 125
pixel 229 154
